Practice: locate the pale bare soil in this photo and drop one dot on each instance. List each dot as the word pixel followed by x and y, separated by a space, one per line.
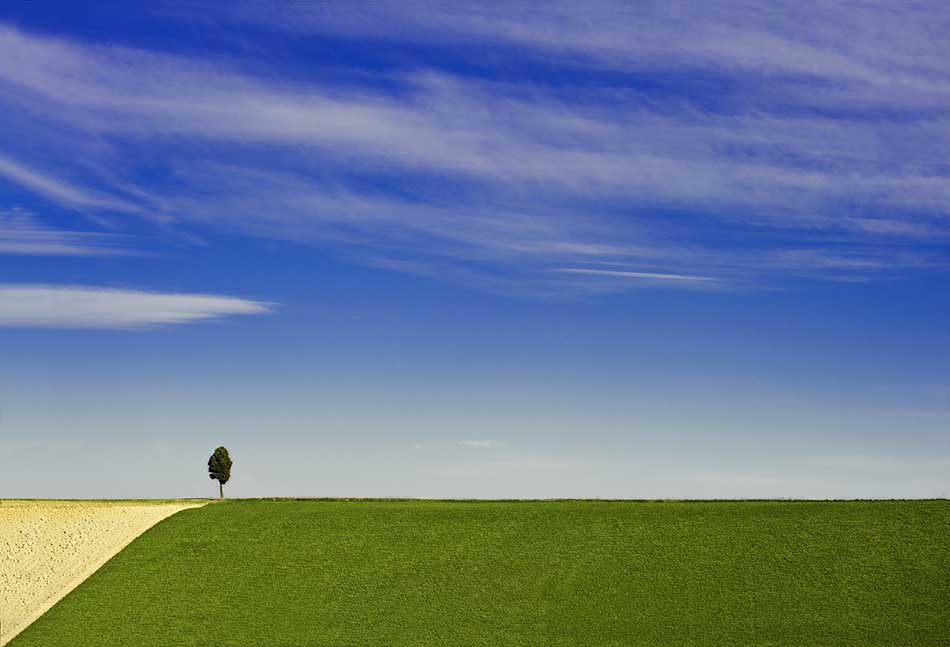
pixel 47 548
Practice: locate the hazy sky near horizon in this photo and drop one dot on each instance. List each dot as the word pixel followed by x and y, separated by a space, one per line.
pixel 424 249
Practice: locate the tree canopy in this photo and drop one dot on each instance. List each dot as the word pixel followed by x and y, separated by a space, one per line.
pixel 219 468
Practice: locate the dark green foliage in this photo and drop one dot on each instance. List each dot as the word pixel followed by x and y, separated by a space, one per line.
pixel 553 573
pixel 219 467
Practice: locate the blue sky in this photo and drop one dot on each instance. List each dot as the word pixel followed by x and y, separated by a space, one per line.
pixel 419 249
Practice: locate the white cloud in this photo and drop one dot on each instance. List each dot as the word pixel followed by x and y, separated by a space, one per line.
pixel 516 177
pixel 21 233
pixel 60 191
pixel 481 444
pixel 650 276
pixel 802 39
pixel 48 306
pixel 604 144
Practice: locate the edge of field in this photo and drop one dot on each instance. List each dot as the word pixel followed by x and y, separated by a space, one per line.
pixel 203 501
pixel 174 506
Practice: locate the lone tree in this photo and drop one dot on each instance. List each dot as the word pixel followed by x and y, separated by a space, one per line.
pixel 219 468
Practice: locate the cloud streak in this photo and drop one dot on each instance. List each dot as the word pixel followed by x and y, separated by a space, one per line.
pixel 806 151
pixel 50 306
pixel 649 276
pixel 481 444
pixel 59 191
pixel 22 233
pixel 797 39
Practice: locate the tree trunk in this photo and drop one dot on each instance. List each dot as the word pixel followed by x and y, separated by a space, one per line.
pixel 220 490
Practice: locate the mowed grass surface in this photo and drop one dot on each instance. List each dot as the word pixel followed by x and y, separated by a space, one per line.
pixel 282 573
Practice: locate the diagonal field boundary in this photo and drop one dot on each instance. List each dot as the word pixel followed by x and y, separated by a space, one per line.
pixel 48 548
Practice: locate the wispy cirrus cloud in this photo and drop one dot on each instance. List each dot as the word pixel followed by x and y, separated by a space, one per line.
pixel 481 444
pixel 52 306
pixel 646 276
pixel 22 233
pixel 58 190
pixel 794 39
pixel 804 151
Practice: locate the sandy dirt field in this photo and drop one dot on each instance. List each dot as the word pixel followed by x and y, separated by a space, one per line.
pixel 47 548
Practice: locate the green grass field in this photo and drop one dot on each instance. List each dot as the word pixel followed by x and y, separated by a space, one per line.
pixel 284 573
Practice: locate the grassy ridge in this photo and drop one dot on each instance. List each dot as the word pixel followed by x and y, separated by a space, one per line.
pixel 296 573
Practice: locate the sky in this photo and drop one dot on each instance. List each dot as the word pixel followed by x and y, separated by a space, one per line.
pixel 431 249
